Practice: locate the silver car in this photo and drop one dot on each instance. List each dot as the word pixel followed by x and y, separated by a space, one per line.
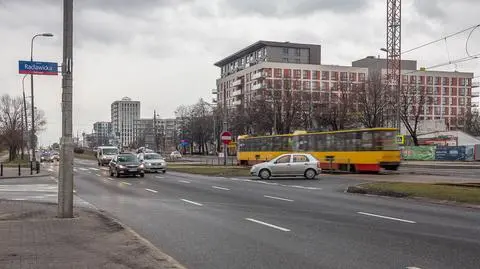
pixel 153 162
pixel 295 164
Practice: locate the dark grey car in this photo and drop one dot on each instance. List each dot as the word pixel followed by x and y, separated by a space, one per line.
pixel 126 164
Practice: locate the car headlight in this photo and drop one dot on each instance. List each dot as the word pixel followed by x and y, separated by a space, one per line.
pixel 121 167
pixel 141 166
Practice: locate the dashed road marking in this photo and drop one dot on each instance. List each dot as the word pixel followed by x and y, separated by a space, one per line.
pixel 98 175
pixel 158 177
pixel 191 202
pixel 278 198
pixel 184 181
pixel 220 188
pixel 150 190
pixel 269 225
pixel 94 169
pixel 83 168
pixel 385 217
pixel 126 183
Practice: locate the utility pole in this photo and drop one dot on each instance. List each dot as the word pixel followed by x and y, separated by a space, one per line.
pixel 25 111
pixel 65 183
pixel 225 124
pixel 155 130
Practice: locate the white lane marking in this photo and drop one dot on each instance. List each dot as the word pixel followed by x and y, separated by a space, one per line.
pixel 37 197
pixel 50 169
pixel 111 179
pixel 278 198
pixel 268 183
pixel 94 169
pixel 150 190
pixel 412 267
pixel 52 195
pixel 74 169
pixel 269 225
pixel 184 181
pixel 98 175
pixel 220 188
pixel 123 182
pixel 191 202
pixel 158 177
pixel 234 179
pixel 385 217
pixel 83 168
pixel 19 199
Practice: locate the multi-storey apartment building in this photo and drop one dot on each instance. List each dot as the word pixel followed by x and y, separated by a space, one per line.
pixel 166 130
pixel 123 115
pixel 447 95
pixel 102 132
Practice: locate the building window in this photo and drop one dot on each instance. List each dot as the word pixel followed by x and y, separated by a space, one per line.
pixel 446 81
pixel 285 60
pixel 343 76
pixel 297 61
pixel 287 73
pixel 334 75
pixel 353 76
pixel 438 80
pixel 461 81
pixel 306 74
pixel 461 101
pixel 315 75
pixel 325 86
pixel 454 101
pixel 461 92
pixel 454 111
pixel 422 79
pixel 297 52
pixel 306 85
pixel 325 75
pixel 429 90
pixel 361 77
pixel 437 110
pixel 334 86
pixel 278 72
pixel 429 80
pixel 315 85
pixel 438 90
pixel 413 79
pixel 445 91
pixel 453 81
pixel 285 51
pixel 404 79
pixel 445 111
pixel 445 101
pixel 297 73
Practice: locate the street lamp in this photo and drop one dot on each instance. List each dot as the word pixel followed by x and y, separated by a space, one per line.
pixel 32 138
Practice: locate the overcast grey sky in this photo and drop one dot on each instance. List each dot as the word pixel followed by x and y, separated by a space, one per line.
pixel 161 52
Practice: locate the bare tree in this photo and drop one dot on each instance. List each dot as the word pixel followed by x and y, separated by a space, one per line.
pixel 412 108
pixel 339 110
pixel 11 123
pixel 372 101
pixel 471 123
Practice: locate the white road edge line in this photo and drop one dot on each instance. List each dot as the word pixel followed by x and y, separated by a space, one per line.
pixel 385 217
pixel 220 188
pixel 150 190
pixel 278 198
pixel 184 181
pixel 269 225
pixel 158 177
pixel 191 202
pixel 123 182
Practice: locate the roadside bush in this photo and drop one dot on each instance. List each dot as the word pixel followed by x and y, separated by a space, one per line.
pixel 78 150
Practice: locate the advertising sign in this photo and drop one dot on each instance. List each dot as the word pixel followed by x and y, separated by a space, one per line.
pixel 446 153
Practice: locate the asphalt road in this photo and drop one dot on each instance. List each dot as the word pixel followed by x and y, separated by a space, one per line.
pixel 211 222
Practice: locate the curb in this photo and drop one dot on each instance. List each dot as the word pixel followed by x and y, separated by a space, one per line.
pixel 440 167
pixel 163 257
pixel 25 176
pixel 359 190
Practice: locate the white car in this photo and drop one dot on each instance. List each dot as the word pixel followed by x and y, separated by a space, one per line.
pixel 175 155
pixel 295 164
pixel 153 162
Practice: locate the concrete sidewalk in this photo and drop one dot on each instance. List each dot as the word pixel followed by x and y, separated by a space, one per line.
pixel 407 178
pixel 32 237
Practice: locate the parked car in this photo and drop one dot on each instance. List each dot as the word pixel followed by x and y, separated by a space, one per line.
pixel 295 164
pixel 55 156
pixel 175 155
pixel 105 154
pixel 45 157
pixel 153 162
pixel 126 164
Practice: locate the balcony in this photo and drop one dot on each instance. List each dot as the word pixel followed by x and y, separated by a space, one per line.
pixel 258 86
pixel 258 75
pixel 237 82
pixel 475 94
pixel 237 93
pixel 475 84
pixel 237 102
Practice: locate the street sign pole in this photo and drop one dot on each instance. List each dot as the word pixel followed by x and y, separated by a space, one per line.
pixel 224 145
pixel 65 183
pixel 226 138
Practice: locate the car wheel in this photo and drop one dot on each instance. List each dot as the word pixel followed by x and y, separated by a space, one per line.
pixel 98 163
pixel 264 174
pixel 142 175
pixel 111 172
pixel 310 174
pixel 164 171
pixel 117 174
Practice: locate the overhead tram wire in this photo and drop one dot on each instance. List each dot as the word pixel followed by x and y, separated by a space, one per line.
pixel 443 38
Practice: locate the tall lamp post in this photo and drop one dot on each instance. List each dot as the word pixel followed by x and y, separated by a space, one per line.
pixel 24 110
pixel 32 137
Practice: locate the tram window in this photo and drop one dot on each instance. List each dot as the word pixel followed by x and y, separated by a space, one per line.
pixel 321 143
pixel 340 141
pixel 378 140
pixel 330 142
pixel 367 139
pixel 303 142
pixel 276 143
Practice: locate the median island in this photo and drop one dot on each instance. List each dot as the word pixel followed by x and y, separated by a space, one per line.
pixel 466 193
pixel 210 170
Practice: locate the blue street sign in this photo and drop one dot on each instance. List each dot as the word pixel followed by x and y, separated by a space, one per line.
pixel 38 68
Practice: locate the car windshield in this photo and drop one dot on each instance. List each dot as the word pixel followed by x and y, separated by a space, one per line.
pixel 110 151
pixel 127 158
pixel 152 156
